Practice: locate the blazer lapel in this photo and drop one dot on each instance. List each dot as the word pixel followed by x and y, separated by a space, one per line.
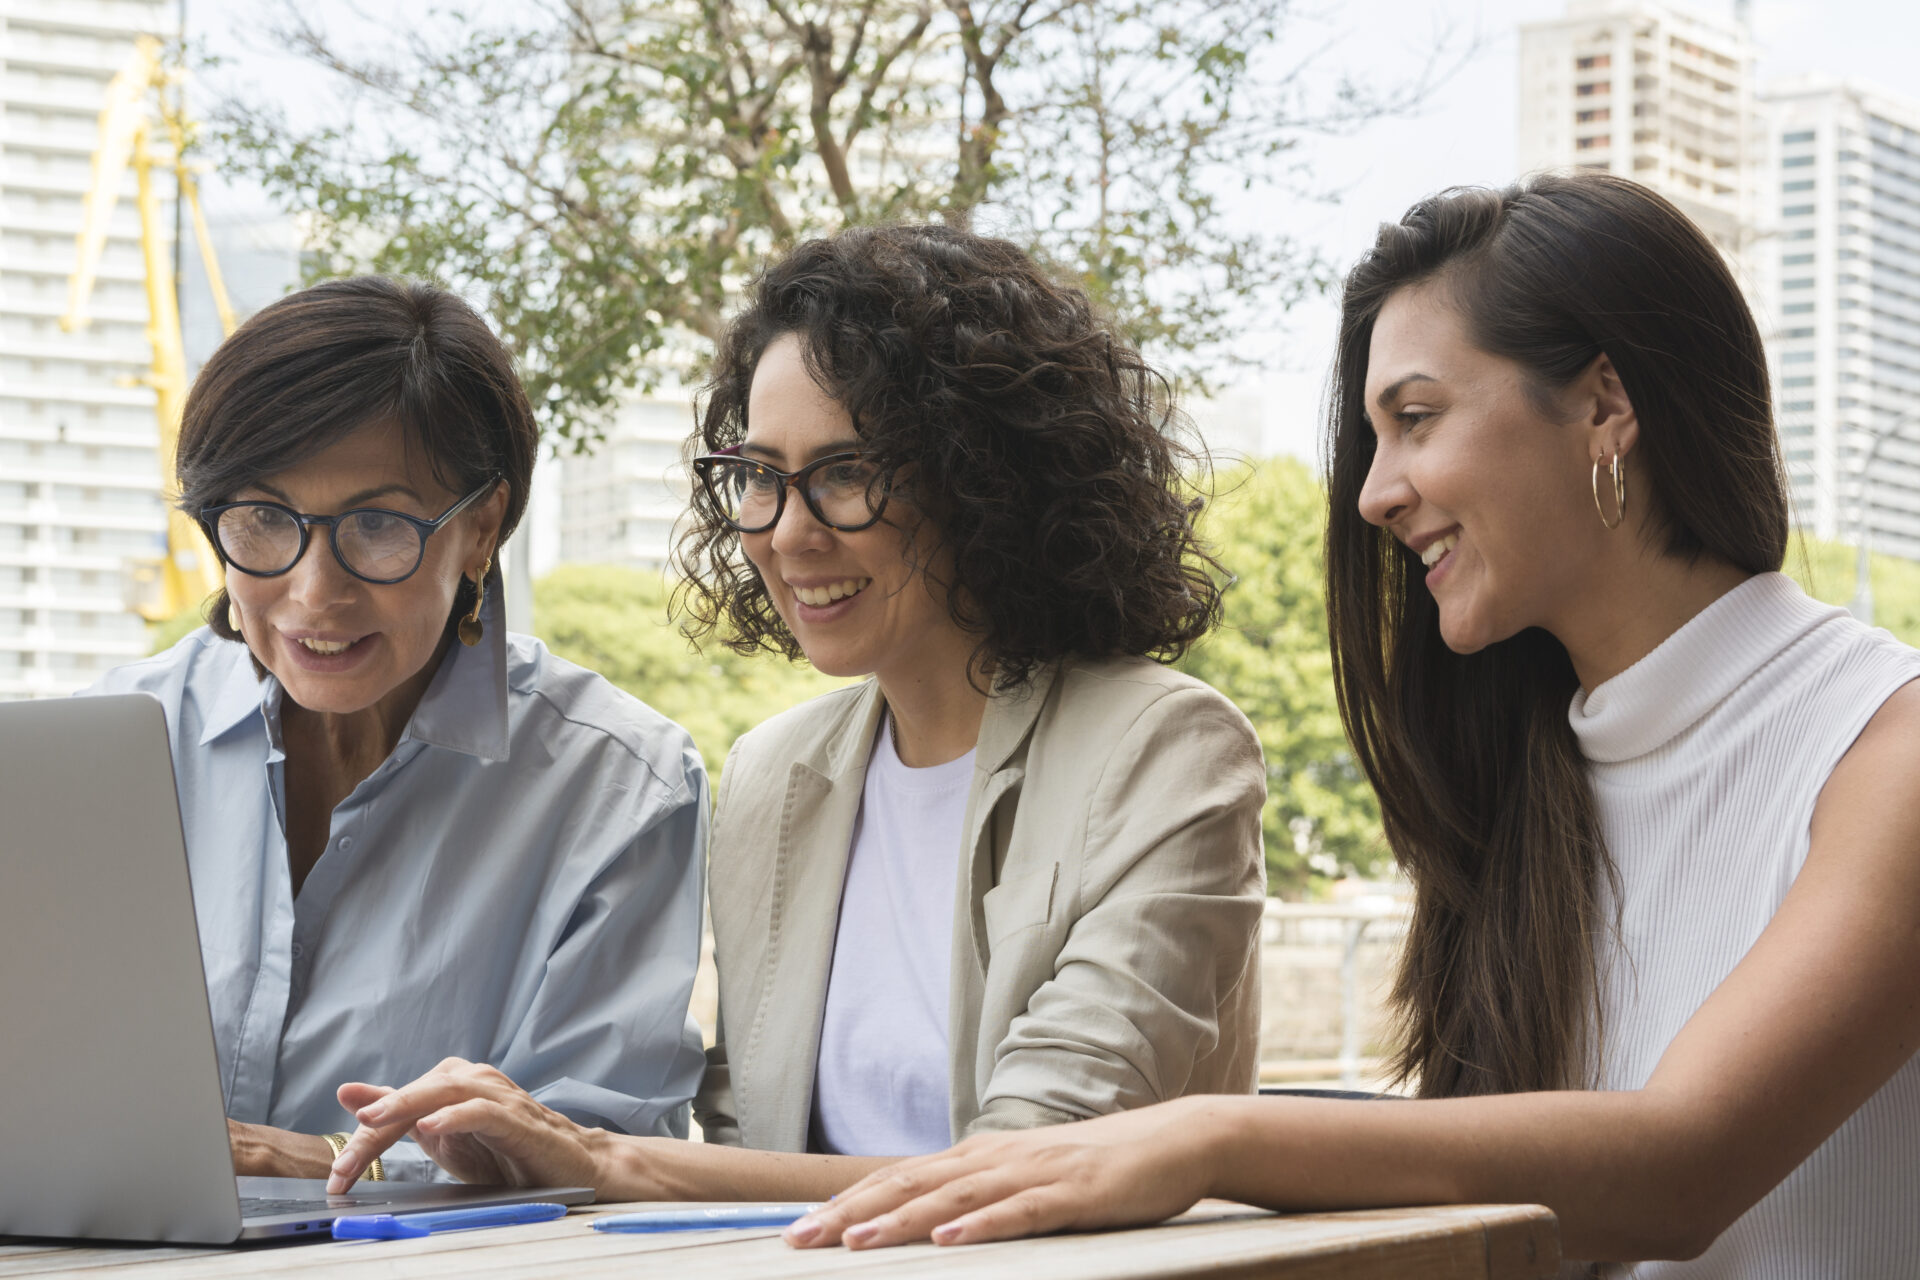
pixel 999 768
pixel 810 868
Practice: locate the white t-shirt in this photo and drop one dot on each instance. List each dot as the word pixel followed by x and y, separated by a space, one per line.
pixel 881 1085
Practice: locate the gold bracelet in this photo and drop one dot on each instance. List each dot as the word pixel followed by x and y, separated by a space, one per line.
pixel 376 1172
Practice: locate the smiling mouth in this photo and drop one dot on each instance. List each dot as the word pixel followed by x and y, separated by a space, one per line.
pixel 327 648
pixel 832 591
pixel 1438 548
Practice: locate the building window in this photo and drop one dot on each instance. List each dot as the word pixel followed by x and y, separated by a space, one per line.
pixel 1805 135
pixel 1797 406
pixel 1598 140
pixel 1797 308
pixel 1797 260
pixel 1593 116
pixel 1799 282
pixel 1805 184
pixel 1594 88
pixel 1797 333
pixel 1796 162
pixel 1593 60
pixel 1796 382
pixel 1797 211
pixel 1797 357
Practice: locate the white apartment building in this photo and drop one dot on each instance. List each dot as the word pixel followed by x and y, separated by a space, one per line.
pixel 1840 290
pixel 80 489
pixel 1652 91
pixel 619 503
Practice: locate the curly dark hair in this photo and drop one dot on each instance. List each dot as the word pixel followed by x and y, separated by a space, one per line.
pixel 994 400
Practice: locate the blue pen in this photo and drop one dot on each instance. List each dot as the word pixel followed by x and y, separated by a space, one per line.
pixel 709 1219
pixel 409 1226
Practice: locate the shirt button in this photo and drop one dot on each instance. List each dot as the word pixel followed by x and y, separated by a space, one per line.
pixel 298 951
pixel 346 842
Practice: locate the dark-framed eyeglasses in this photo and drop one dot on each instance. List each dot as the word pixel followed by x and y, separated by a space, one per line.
pixel 841 490
pixel 266 539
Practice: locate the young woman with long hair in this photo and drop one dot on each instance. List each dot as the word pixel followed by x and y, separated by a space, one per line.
pixel 1661 811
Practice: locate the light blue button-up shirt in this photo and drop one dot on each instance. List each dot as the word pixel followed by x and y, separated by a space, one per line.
pixel 519 883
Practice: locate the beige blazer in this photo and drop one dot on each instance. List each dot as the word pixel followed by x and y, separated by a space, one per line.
pixel 1106 924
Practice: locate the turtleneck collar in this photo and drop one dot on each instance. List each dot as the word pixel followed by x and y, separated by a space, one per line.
pixel 1694 670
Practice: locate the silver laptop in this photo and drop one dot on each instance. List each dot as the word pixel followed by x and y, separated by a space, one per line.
pixel 112 1124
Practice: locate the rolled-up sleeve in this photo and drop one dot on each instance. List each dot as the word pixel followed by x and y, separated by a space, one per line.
pixel 1165 920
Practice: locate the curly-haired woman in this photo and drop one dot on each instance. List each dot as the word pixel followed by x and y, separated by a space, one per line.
pixel 1016 877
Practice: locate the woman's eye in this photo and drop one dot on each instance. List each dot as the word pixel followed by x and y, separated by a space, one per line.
pixel 1412 419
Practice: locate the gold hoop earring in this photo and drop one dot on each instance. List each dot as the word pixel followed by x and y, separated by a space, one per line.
pixel 1619 476
pixel 470 627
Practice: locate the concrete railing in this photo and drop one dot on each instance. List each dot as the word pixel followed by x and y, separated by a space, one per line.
pixel 1344 925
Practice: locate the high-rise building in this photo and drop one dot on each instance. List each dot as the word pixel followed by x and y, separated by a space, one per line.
pixel 1652 91
pixel 80 490
pixel 1840 290
pixel 619 502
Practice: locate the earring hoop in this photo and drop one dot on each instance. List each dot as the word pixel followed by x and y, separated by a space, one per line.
pixel 1619 476
pixel 471 628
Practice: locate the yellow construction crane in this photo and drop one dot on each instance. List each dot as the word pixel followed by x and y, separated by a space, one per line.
pixel 149 92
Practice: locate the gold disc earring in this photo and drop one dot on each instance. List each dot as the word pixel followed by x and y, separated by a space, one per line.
pixel 233 616
pixel 470 628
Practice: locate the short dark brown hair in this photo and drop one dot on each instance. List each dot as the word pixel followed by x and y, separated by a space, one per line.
pixel 993 399
pixel 321 363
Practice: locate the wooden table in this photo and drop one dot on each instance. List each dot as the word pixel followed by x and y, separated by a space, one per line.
pixel 1216 1240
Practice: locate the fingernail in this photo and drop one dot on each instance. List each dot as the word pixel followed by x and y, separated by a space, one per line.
pixel 946 1234
pixel 862 1234
pixel 802 1231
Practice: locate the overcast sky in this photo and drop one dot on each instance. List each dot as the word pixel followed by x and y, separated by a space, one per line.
pixel 1464 135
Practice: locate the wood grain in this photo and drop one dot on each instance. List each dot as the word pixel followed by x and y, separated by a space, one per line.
pixel 1215 1240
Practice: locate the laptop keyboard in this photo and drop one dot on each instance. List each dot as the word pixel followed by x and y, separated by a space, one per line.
pixel 265 1206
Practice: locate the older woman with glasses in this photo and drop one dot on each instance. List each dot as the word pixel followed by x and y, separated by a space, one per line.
pixel 1014 877
pixel 411 834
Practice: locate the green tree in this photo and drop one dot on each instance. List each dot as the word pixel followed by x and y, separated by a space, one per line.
pixel 614 621
pixel 604 174
pixel 1826 569
pixel 1270 656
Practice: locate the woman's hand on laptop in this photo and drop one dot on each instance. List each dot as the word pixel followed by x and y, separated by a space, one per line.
pixel 476 1124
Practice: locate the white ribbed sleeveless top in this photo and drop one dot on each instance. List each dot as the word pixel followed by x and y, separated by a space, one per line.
pixel 1707 757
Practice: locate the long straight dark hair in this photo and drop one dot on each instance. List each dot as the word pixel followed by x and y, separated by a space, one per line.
pixel 1483 792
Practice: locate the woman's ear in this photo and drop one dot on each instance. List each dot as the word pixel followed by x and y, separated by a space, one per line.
pixel 488 515
pixel 1606 411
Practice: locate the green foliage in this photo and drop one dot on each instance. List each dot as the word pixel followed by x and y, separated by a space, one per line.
pixel 1270 656
pixel 164 635
pixel 614 621
pixel 1826 570
pixel 603 175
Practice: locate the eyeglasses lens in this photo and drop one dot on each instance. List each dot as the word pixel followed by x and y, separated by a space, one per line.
pixel 259 539
pixel 377 545
pixel 748 494
pixel 840 491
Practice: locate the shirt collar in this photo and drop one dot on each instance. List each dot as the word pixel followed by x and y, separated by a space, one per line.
pixel 464 708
